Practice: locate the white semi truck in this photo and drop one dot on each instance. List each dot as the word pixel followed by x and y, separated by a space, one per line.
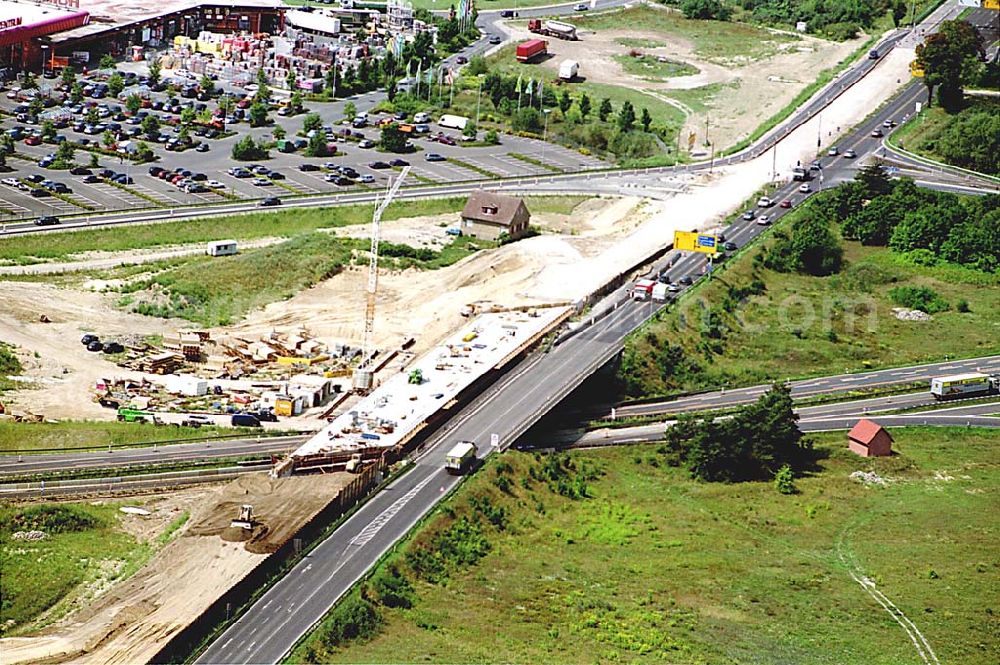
pixel 964 385
pixel 461 458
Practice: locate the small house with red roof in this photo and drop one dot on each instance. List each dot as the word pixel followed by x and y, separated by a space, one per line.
pixel 869 439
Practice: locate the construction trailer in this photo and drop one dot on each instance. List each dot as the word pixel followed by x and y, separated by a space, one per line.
pixel 558 29
pixel 221 248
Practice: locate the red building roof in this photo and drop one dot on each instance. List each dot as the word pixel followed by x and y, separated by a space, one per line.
pixel 865 431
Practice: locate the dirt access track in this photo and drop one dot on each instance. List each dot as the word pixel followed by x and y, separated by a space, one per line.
pixel 133 620
pixel 735 95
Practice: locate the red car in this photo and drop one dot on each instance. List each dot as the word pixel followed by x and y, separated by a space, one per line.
pixel 787 203
pixel 34 139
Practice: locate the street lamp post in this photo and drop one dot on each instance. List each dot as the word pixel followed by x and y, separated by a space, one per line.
pixel 45 53
pixel 545 132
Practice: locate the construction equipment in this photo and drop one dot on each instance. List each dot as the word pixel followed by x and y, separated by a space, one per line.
pixel 245 520
pixel 364 376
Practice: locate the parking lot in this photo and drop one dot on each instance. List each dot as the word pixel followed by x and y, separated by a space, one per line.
pixel 283 176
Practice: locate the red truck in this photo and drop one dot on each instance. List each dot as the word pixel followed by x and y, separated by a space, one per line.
pixel 531 50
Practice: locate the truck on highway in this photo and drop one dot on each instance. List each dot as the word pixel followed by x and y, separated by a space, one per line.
pixel 460 458
pixel 531 50
pixel 643 289
pixel 964 385
pixel 556 29
pixel 660 292
pixel 568 69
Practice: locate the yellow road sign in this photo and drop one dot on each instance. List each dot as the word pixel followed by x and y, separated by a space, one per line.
pixel 696 242
pixel 692 137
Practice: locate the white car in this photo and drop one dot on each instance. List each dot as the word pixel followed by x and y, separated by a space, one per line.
pixel 10 181
pixel 214 184
pixel 805 188
pixel 764 202
pixel 763 220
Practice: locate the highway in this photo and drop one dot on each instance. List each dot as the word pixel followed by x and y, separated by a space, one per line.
pixel 816 386
pixel 842 415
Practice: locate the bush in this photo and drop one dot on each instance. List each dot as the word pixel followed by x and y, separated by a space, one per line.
pixel 812 248
pixel 391 588
pixel 784 480
pixel 706 9
pixel 352 619
pixel 52 519
pixel 246 149
pixel 918 297
pixel 962 306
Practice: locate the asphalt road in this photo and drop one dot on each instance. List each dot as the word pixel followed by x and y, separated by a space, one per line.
pixel 842 415
pixel 815 386
pixel 12 465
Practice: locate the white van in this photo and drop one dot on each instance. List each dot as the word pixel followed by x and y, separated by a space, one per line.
pixel 421 117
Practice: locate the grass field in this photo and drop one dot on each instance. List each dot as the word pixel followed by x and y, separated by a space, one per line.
pixel 651 69
pixel 662 113
pixel 806 326
pixel 285 223
pixel 657 568
pixel 922 134
pixel 9 366
pixel 84 549
pixel 86 434
pixel 639 42
pixel 723 42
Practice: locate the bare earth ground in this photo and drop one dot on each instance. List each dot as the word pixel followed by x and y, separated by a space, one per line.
pixel 134 619
pixel 751 92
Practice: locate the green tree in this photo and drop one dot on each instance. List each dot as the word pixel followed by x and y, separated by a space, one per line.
pixel 604 110
pixel 107 62
pixel 226 105
pixel 278 132
pixel 6 144
pixel 28 81
pixel 94 160
pixel 491 137
pixel 350 110
pixel 65 154
pixel 48 130
pixel 258 115
pixel 972 139
pixel 291 80
pixel 295 102
pixel 312 121
pixel 154 72
pixel 207 85
pixel 470 130
pixel 950 58
pixel 330 81
pixel 584 105
pixel 527 119
pixel 108 138
pixel 784 480
pixel 150 125
pixel 76 93
pixel 477 66
pixel 91 116
pixel 143 153
pixel 626 117
pixel 565 101
pixel 187 116
pixel 811 248
pixel 116 83
pixel 392 140
pixel 898 12
pixel 247 149
pixel 68 77
pixel 317 144
pixel 706 10
pixel 133 103
pixel 646 119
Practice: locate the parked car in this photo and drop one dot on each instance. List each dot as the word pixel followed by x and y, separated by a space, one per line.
pixel 261 182
pixel 202 147
pixel 245 420
pixel 308 167
pixel 113 347
pixel 91 179
pixel 88 338
pixel 366 143
pixel 378 165
pixel 341 181
pixel 399 163
pixel 434 157
pixel 367 178
pixel 95 347
pixel 80 170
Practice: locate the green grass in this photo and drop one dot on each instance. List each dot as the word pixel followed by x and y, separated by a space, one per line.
pixel 657 568
pixel 9 366
pixel 808 326
pixel 723 42
pixel 649 68
pixel 47 576
pixel 921 134
pixel 88 434
pixel 284 223
pixel 700 99
pixel 639 42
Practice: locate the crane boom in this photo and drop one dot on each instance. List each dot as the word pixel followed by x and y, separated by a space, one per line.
pixel 380 207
